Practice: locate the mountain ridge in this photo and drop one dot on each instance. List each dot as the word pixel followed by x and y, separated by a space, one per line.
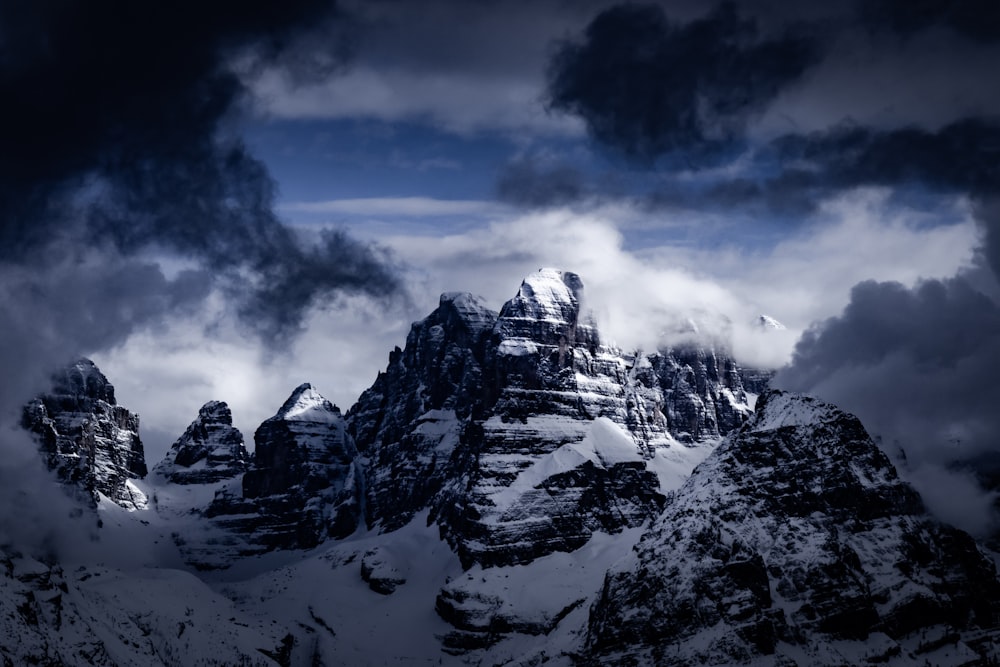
pixel 519 492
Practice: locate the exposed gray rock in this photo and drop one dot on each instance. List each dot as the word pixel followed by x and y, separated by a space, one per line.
pixel 794 540
pixel 86 438
pixel 409 422
pixel 550 381
pixel 209 451
pixel 302 487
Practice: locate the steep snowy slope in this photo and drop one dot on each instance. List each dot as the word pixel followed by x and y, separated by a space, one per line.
pixel 796 540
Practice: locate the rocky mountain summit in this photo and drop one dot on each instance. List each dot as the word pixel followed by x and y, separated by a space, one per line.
pixel 210 450
pixel 478 404
pixel 299 489
pixel 86 438
pixel 512 489
pixel 796 540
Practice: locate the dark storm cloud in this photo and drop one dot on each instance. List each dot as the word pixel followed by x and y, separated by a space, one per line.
pixel 114 133
pixel 117 147
pixel 975 19
pixel 650 87
pixel 918 365
pixel 793 174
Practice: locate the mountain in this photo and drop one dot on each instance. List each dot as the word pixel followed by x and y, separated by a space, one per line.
pixel 796 540
pixel 210 450
pixel 86 438
pixel 512 489
pixel 497 423
pixel 299 489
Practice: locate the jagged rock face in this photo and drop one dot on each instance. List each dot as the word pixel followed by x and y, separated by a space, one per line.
pixel 794 538
pixel 476 399
pixel 410 421
pixel 303 485
pixel 557 387
pixel 698 392
pixel 87 439
pixel 209 451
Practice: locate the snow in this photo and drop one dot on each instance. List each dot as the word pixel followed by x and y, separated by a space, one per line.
pixel 788 409
pixel 605 444
pixel 673 464
pixel 471 308
pixel 517 347
pixel 544 295
pixel 768 323
pixel 307 404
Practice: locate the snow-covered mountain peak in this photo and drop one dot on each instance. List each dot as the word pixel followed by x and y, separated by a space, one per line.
pixel 549 294
pixel 776 409
pixel 768 323
pixel 216 411
pixel 210 450
pixel 84 379
pixel 90 441
pixel 307 404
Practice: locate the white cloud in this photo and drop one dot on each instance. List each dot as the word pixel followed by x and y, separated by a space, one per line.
pixel 461 102
pixel 166 375
pixel 397 207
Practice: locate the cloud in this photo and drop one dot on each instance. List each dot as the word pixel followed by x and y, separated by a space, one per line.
pixel 464 67
pixel 978 20
pixel 397 207
pixel 458 102
pixel 650 87
pixel 918 366
pixel 127 200
pixel 117 135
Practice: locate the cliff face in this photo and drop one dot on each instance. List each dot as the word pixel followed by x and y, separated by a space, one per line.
pixel 795 538
pixel 526 485
pixel 86 438
pixel 209 451
pixel 490 420
pixel 409 423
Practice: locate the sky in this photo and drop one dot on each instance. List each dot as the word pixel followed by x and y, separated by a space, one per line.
pixel 219 201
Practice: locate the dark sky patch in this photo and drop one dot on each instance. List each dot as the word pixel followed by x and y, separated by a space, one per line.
pixel 651 88
pixel 974 19
pixel 534 183
pixel 116 132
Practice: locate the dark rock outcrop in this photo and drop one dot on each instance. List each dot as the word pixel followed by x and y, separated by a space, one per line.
pixel 302 487
pixel 410 421
pixel 209 451
pixel 477 403
pixel 578 419
pixel 89 441
pixel 795 537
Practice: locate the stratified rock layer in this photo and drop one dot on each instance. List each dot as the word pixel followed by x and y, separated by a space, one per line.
pixel 410 421
pixel 302 487
pixel 794 539
pixel 209 451
pixel 86 438
pixel 477 403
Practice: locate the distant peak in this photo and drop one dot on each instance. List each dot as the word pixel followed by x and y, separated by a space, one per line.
pixel 307 404
pixel 83 378
pixel 547 293
pixel 768 323
pixel 216 411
